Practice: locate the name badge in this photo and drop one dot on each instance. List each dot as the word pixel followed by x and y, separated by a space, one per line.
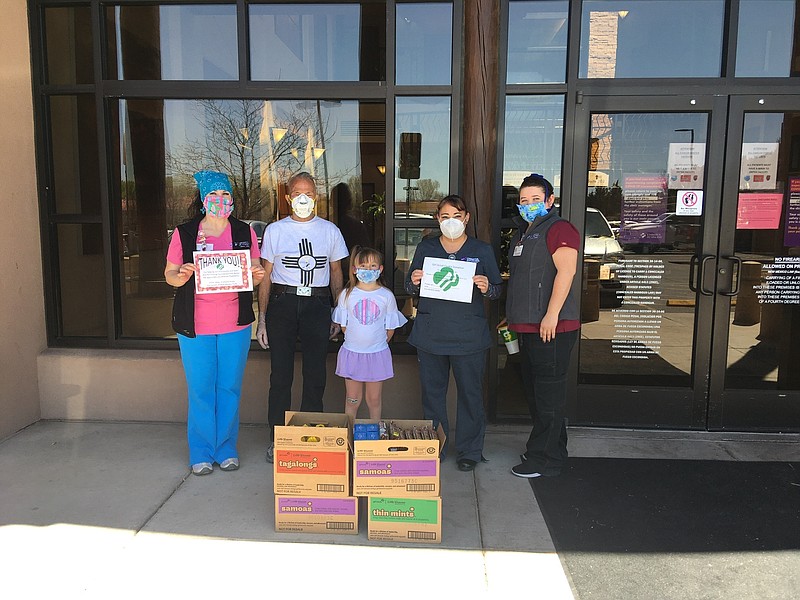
pixel 304 291
pixel 518 250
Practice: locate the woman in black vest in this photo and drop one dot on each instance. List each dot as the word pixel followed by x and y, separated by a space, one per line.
pixel 543 310
pixel 213 329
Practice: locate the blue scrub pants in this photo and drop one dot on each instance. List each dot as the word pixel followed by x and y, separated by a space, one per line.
pixel 468 369
pixel 214 367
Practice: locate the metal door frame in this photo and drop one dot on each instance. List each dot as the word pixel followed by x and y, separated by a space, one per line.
pixel 743 409
pixel 656 407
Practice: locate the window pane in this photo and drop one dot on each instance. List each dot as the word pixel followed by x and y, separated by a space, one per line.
pixel 424 44
pixel 73 131
pixel 259 144
pixel 172 42
pixel 637 310
pixel 313 42
pixel 537 42
pixel 533 139
pixel 82 277
pixel 658 38
pixel 422 142
pixel 762 336
pixel 68 38
pixel 406 240
pixel 764 46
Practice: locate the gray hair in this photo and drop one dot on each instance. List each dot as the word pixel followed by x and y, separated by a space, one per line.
pixel 302 175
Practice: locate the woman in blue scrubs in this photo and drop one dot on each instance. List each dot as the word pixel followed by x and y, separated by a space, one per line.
pixel 455 335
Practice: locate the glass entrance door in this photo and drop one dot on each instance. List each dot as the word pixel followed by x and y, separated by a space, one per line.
pixel 646 204
pixel 755 383
pixel 690 210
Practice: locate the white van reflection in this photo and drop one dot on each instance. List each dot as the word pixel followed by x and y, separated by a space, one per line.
pixel 600 244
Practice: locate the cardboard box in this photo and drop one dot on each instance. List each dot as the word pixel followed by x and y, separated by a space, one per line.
pixel 307 514
pixel 312 460
pixel 398 468
pixel 404 519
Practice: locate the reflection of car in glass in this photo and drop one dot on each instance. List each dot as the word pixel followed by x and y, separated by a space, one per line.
pixel 668 231
pixel 258 227
pixel 600 244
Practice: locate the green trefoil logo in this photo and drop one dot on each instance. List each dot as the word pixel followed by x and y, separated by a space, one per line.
pixel 446 278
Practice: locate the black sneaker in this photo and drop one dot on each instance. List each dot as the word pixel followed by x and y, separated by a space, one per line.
pixel 526 470
pixel 524 456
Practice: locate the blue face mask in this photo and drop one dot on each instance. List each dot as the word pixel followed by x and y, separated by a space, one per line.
pixel 530 211
pixel 368 275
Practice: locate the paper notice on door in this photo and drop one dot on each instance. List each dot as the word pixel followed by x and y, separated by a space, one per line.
pixel 759 211
pixel 686 164
pixel 759 166
pixel 689 203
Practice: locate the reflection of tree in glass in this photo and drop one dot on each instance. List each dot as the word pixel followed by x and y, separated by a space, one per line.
pixel 257 159
pixel 608 200
pixel 429 190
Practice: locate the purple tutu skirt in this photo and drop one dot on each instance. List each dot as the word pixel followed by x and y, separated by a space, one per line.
pixel 374 366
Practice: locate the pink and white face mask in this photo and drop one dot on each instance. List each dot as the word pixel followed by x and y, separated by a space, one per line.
pixel 218 205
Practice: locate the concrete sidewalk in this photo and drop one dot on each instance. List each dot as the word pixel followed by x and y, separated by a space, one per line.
pixel 109 510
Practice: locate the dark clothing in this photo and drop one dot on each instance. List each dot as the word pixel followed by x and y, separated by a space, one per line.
pixel 446 327
pixel 183 306
pixel 544 364
pixel 455 335
pixel 468 369
pixel 532 273
pixel 288 318
pixel 544 375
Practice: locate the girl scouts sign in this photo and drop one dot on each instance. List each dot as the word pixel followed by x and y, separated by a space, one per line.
pixel 447 279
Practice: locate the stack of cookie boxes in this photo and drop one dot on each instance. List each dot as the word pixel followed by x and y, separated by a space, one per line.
pixel 312 474
pixel 400 480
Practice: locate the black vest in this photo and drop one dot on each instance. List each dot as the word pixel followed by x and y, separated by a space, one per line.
pixel 183 306
pixel 531 276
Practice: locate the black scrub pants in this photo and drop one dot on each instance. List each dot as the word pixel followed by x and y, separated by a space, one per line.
pixel 468 369
pixel 544 375
pixel 288 318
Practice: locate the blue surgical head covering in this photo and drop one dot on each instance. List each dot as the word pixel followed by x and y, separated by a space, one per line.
pixel 209 181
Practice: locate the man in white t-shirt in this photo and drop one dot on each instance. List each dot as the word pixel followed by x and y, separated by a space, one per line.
pixel 301 255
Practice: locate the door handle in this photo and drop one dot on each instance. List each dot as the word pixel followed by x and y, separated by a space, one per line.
pixel 735 277
pixel 693 262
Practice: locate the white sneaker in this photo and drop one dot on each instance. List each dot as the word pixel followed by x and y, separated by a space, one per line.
pixel 229 464
pixel 271 453
pixel 203 468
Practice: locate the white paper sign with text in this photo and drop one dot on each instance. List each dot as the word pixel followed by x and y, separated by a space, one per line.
pixel 447 279
pixel 221 271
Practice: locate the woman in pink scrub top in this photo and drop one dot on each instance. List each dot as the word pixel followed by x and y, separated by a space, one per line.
pixel 213 329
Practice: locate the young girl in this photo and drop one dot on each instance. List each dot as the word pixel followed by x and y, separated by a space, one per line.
pixel 368 315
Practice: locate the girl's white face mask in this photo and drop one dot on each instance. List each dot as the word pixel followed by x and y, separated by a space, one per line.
pixel 303 206
pixel 452 228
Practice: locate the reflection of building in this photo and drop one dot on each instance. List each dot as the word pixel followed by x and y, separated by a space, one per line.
pixel 90 90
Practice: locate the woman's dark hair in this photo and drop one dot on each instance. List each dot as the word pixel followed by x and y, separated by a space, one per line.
pixel 536 180
pixel 358 256
pixel 453 200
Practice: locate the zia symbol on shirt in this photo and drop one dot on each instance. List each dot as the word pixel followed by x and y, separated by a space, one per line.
pixel 306 262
